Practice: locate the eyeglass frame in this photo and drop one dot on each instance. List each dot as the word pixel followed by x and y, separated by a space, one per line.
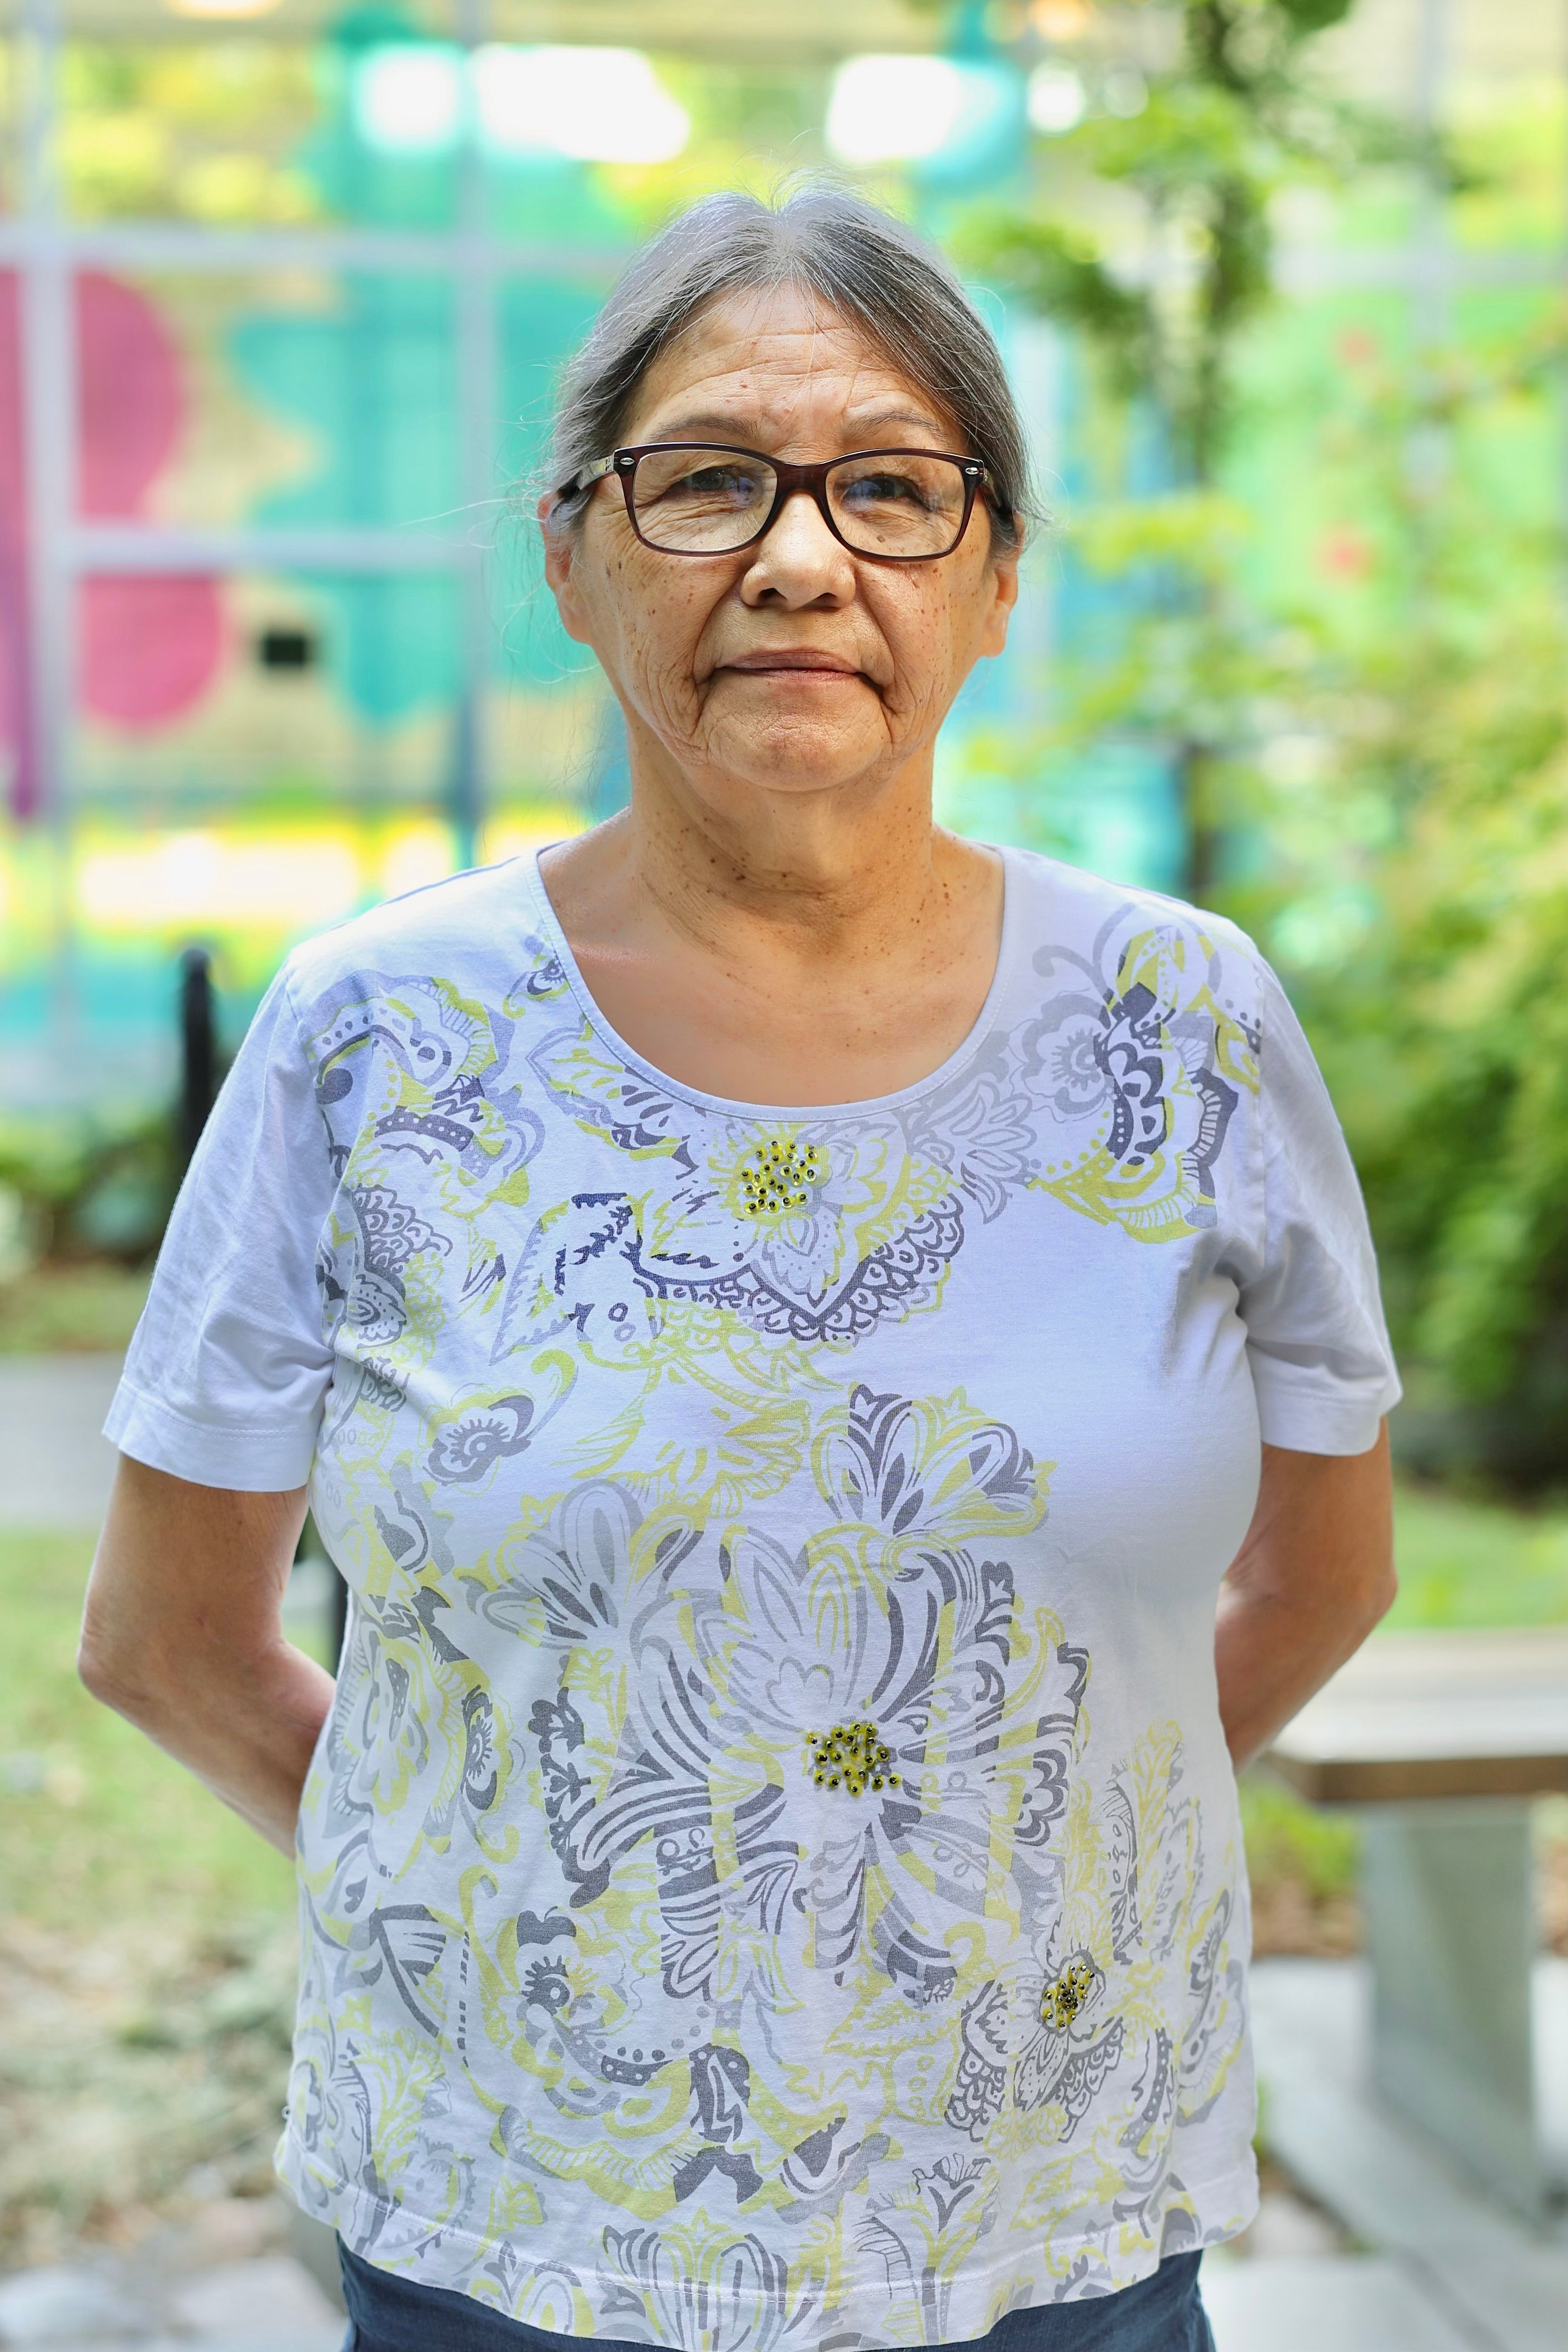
pixel 792 480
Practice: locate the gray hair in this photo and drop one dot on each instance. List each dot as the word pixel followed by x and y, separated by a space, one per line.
pixel 862 264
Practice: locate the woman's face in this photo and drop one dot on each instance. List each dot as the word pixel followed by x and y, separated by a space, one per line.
pixel 793 666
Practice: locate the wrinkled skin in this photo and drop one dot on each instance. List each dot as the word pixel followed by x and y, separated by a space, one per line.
pixel 686 641
pixel 775 917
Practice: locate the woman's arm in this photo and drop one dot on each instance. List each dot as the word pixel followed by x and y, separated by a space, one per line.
pixel 1313 1577
pixel 183 1634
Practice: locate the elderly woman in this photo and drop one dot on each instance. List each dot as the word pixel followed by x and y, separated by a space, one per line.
pixel 787 1321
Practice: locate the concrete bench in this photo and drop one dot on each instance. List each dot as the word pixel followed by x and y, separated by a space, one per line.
pixel 1444 1739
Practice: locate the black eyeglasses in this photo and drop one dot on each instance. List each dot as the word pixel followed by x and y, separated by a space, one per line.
pixel 706 497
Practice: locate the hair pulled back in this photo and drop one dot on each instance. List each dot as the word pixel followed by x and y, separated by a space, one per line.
pixel 863 265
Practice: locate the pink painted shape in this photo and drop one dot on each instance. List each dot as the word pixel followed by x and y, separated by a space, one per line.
pixel 150 647
pixel 15 733
pixel 133 395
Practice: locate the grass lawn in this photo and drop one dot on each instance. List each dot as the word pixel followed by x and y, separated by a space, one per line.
pixel 96 1823
pixel 1465 1563
pixel 70 1308
pixel 146 1953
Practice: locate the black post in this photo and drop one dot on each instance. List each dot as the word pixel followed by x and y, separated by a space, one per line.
pixel 198 1049
pixel 338 1622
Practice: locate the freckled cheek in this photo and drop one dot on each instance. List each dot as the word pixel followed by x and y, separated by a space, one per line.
pixel 658 646
pixel 920 641
pixel 653 623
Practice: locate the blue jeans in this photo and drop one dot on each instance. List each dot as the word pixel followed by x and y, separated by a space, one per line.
pixel 1161 2314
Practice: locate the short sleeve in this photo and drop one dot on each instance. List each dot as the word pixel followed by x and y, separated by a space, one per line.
pixel 1321 1364
pixel 229 1365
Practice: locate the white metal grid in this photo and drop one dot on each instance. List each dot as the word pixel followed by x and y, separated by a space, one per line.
pixel 46 250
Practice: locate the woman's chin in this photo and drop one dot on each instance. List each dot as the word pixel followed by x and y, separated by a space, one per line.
pixel 796 760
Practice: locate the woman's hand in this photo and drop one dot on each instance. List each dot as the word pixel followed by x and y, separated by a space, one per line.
pixel 1313 1577
pixel 183 1634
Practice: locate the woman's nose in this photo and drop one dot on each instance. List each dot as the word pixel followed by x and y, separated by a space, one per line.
pixel 800 560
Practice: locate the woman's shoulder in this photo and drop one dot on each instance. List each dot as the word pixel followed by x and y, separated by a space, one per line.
pixel 1068 917
pixel 472 934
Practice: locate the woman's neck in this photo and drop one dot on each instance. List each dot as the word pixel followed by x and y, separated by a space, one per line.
pixel 824 953
pixel 820 877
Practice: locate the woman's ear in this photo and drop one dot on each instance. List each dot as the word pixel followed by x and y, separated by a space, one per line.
pixel 1002 581
pixel 560 549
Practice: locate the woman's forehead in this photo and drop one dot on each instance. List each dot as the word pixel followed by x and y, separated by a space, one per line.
pixel 779 359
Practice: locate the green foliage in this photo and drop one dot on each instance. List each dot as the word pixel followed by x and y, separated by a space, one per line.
pixel 205 129
pixel 1357 686
pixel 69 1189
pixel 1433 821
pixel 1288 1839
pixel 1315 16
pixel 1056 269
pixel 1217 136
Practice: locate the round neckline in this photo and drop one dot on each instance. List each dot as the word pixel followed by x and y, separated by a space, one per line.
pixel 730 1107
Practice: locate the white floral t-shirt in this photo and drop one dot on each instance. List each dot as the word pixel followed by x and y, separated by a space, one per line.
pixel 770 1876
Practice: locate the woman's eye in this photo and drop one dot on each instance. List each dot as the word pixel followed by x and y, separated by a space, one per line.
pixel 714 482
pixel 884 489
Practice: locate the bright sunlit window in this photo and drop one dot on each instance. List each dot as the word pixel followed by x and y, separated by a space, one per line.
pixel 408 98
pixel 598 105
pixel 601 106
pixel 205 878
pixel 1055 99
pixel 888 109
pixel 222 7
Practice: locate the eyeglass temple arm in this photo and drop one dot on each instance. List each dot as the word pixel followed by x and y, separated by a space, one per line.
pixel 585 476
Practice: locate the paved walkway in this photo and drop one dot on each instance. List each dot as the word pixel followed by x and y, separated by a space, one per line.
pixel 1336 2303
pixel 271 2304
pixel 55 1468
pixel 1449 2271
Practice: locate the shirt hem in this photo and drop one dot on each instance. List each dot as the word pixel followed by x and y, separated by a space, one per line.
pixel 1304 1425
pixel 362 2219
pixel 166 1439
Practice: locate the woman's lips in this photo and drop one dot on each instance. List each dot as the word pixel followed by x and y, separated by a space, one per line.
pixel 803 661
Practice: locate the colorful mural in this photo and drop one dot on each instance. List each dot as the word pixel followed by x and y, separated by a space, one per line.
pixel 319 282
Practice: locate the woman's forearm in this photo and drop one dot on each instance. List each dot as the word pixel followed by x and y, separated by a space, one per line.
pixel 1313 1577
pixel 1270 1658
pixel 246 1728
pixel 182 1635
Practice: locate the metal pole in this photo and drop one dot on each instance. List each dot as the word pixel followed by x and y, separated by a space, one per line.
pixel 1429 277
pixel 1426 452
pixel 476 374
pixel 198 1049
pixel 49 434
pixel 337 1617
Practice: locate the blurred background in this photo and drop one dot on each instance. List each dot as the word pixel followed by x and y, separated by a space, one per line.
pixel 283 288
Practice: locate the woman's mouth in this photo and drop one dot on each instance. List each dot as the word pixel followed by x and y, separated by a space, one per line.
pixel 804 662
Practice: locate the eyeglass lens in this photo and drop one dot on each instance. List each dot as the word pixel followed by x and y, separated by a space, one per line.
pixel 704 501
